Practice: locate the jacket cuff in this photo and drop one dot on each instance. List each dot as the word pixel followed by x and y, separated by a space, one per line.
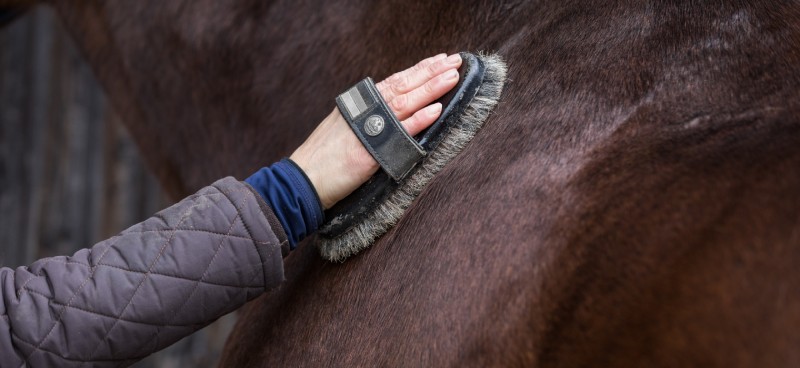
pixel 253 219
pixel 272 220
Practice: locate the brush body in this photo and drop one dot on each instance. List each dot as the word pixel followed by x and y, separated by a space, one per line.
pixel 376 216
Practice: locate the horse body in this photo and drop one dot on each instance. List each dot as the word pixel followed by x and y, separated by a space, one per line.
pixel 632 201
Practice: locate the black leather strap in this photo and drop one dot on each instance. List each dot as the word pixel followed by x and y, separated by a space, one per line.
pixel 379 130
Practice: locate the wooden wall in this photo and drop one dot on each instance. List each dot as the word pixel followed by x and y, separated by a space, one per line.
pixel 69 173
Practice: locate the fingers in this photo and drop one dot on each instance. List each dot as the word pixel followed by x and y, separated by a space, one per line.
pixel 398 83
pixel 422 119
pixel 411 78
pixel 410 91
pixel 407 104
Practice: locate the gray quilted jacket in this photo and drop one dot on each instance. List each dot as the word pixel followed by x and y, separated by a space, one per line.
pixel 144 289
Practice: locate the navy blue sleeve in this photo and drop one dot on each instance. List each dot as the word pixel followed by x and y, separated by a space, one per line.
pixel 285 187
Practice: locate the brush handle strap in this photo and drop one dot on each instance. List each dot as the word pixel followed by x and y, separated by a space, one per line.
pixel 378 129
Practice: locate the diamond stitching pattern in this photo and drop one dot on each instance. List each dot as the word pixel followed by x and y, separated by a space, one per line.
pixel 224 240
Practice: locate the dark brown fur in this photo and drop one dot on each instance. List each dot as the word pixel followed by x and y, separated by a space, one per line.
pixel 634 200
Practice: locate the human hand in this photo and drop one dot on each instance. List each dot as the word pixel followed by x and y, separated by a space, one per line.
pixel 334 159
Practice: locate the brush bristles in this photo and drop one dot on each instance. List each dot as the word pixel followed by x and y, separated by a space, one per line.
pixel 388 213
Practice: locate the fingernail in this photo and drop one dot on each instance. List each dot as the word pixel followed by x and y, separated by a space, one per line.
pixel 435 108
pixel 450 74
pixel 453 59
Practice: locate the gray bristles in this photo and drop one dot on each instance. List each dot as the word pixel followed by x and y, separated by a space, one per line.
pixel 386 214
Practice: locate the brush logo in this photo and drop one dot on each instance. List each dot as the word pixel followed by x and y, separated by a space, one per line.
pixel 373 126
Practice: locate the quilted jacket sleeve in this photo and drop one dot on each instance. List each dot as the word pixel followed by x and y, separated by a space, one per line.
pixel 145 288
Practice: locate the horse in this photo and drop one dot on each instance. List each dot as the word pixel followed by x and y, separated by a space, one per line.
pixel 632 201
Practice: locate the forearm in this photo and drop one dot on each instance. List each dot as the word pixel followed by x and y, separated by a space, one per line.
pixel 144 289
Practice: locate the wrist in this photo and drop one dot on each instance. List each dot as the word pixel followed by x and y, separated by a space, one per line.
pixel 314 176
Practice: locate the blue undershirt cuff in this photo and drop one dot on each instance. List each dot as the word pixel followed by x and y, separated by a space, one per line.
pixel 286 188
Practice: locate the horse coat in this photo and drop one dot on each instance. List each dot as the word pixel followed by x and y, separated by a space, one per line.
pixel 632 201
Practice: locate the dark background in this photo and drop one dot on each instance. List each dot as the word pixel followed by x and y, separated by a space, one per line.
pixel 70 175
